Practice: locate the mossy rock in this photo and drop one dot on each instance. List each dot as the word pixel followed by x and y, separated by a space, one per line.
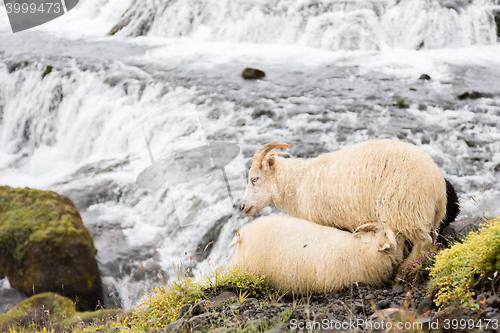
pixel 44 246
pixel 100 316
pixel 39 309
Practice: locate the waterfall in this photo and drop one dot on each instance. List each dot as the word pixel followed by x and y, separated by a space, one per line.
pixel 326 24
pixel 337 73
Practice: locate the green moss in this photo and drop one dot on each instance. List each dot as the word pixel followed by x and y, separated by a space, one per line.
pixel 42 217
pixel 158 310
pixel 99 314
pixel 31 315
pixel 44 246
pixel 457 268
pixel 61 309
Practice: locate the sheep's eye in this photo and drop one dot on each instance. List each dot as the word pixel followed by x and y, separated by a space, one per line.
pixel 254 180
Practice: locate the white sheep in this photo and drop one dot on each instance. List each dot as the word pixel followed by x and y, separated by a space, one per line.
pixel 301 256
pixel 377 180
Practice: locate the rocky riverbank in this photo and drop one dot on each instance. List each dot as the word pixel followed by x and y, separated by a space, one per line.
pixel 453 290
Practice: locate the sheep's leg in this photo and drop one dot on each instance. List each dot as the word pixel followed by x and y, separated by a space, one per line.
pixel 420 246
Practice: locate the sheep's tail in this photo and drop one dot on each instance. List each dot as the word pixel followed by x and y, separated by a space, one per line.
pixel 452 210
pixel 452 207
pixel 236 239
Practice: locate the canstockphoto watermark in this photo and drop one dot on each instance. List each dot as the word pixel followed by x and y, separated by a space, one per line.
pixel 205 179
pixel 26 14
pixel 454 324
pixel 327 324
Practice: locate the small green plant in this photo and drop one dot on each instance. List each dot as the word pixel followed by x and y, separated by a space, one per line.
pixel 457 268
pixel 243 296
pixel 418 271
pixel 285 315
pixel 256 286
pixel 158 310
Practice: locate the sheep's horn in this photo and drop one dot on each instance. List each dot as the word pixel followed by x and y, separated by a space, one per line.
pixel 259 155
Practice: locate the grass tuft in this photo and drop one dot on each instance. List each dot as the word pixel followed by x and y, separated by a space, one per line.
pixel 158 310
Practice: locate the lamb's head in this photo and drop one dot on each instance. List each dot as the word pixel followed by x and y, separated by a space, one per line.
pixel 261 178
pixel 385 238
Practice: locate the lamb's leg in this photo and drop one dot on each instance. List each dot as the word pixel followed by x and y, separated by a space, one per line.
pixel 420 247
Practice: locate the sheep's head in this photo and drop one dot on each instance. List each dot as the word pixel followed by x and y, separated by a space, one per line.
pixel 386 238
pixel 261 178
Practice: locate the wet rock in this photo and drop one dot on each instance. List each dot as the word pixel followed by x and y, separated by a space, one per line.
pixel 252 73
pixel 472 95
pixel 225 296
pixel 198 308
pixel 424 77
pixel 397 289
pixel 47 71
pixel 496 16
pixel 230 287
pixel 119 26
pixel 178 326
pixel 491 314
pixel 195 322
pixel 384 304
pixel 45 247
pixel 250 300
pixel 493 301
pixel 454 4
pixel 248 313
pixel 358 307
pixel 184 309
pixel 458 230
pixel 198 321
pixel 260 113
pixel 234 306
pixel 425 305
pixel 487 282
pixel 215 308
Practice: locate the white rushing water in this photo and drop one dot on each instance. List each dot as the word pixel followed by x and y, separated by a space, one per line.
pixel 337 72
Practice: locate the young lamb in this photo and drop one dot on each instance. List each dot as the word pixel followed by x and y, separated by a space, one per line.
pixel 377 180
pixel 301 256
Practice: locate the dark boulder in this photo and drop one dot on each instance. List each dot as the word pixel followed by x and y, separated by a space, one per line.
pixel 458 230
pixel 472 95
pixel 424 77
pixel 252 73
pixel 496 16
pixel 44 246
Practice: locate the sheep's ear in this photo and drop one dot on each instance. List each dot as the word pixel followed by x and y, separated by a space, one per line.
pixel 236 239
pixel 386 246
pixel 270 161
